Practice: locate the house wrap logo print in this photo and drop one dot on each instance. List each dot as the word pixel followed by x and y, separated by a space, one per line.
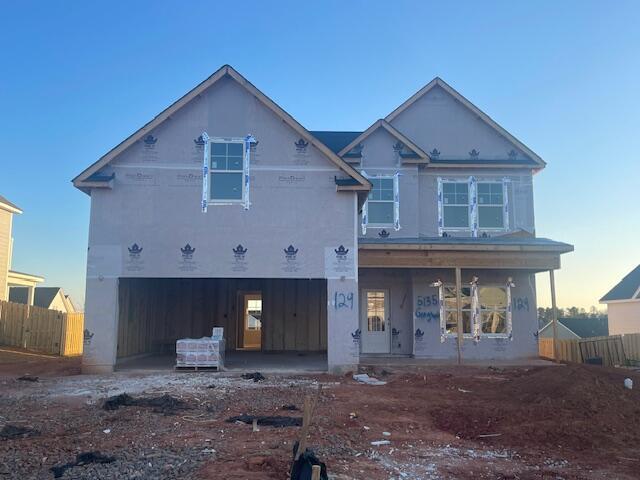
pixel 301 145
pixel 149 140
pixel 134 250
pixel 187 252
pixel 239 252
pixel 341 252
pixel 290 252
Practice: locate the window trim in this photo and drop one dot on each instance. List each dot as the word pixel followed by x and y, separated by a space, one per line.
pixel 211 172
pixel 392 202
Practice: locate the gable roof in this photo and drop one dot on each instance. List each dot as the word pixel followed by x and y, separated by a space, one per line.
pixel 42 296
pixel 627 289
pixel 336 141
pixel 584 327
pixel 82 181
pixel 466 103
pixel 7 205
pixel 394 133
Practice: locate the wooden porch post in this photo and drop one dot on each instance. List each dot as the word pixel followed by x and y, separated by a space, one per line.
pixel 459 312
pixel 554 315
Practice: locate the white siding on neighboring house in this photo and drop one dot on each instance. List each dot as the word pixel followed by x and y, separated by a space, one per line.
pixel 5 250
pixel 624 317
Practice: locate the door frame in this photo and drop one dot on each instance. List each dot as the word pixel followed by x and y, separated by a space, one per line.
pixel 240 319
pixel 363 322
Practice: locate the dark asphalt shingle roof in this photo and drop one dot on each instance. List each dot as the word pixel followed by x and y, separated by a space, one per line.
pixel 626 288
pixel 7 202
pixel 336 141
pixel 587 327
pixel 517 241
pixel 42 297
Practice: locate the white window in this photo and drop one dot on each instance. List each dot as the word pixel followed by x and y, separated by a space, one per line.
pixel 375 312
pixel 254 314
pixel 490 205
pixel 455 205
pixel 472 205
pixel 226 171
pixel 380 203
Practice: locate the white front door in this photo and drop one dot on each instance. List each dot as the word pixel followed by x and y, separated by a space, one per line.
pixel 374 323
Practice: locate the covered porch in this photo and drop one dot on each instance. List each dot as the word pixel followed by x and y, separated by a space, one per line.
pixel 452 299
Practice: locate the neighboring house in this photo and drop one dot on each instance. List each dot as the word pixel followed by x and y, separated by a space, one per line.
pixel 10 278
pixel 353 243
pixel 623 304
pixel 52 298
pixel 573 328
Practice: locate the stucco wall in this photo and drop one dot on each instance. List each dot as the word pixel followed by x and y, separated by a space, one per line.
pixel 155 204
pixel 624 317
pixel 5 250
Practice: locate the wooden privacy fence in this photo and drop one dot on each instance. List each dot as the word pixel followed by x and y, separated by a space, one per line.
pixel 613 350
pixel 40 329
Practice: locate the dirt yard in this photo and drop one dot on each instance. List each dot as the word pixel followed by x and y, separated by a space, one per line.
pixel 559 422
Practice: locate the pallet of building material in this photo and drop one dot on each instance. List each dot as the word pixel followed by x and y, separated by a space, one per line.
pixel 200 353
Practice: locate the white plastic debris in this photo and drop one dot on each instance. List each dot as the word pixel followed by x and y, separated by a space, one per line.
pixel 628 383
pixel 378 443
pixel 366 379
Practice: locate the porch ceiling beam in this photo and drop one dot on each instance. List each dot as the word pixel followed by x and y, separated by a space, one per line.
pixel 538 261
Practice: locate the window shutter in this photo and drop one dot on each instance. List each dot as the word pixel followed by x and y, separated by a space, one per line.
pixel 205 172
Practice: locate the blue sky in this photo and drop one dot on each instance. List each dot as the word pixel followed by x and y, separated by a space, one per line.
pixel 562 76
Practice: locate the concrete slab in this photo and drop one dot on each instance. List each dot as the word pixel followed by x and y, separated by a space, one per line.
pixel 237 361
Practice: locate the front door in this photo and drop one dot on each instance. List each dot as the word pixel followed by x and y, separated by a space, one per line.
pixel 374 323
pixel 252 316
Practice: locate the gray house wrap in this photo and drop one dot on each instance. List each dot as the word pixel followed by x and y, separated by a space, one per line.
pixel 147 224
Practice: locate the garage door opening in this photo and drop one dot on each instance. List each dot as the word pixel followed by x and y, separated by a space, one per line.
pixel 259 316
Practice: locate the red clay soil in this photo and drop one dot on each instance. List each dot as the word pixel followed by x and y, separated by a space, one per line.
pixel 17 362
pixel 569 422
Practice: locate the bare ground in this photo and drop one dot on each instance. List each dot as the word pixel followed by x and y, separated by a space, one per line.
pixel 564 422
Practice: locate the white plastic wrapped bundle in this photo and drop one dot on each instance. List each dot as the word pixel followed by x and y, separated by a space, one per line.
pixel 200 352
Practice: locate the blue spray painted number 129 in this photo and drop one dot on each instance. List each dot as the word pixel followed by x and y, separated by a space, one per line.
pixel 343 300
